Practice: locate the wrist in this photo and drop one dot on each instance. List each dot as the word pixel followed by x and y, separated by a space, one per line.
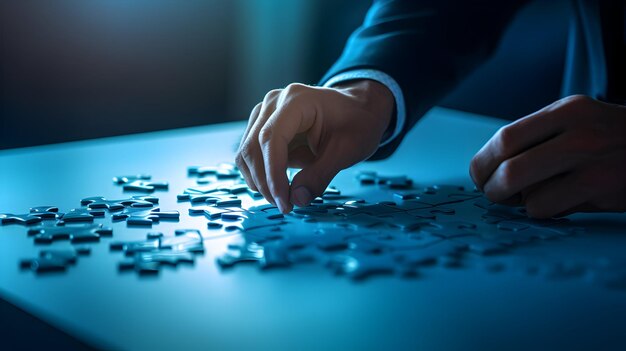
pixel 375 97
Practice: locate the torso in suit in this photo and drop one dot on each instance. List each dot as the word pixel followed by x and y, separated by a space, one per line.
pixel 429 46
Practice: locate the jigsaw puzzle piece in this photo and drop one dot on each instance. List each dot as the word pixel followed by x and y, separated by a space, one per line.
pixel 395 182
pixel 482 246
pixel 82 215
pixel 445 194
pixel 437 251
pixel 219 198
pixel 279 257
pixel 222 170
pixel 212 212
pixel 23 219
pixel 249 221
pixel 54 260
pixel 451 229
pixel 46 212
pixel 152 243
pixel 187 240
pixel 145 186
pixel 496 213
pixel 149 255
pixel 131 178
pixel 145 216
pixel 99 202
pixel 351 208
pixel 405 221
pixel 360 266
pixel 151 262
pixel 238 253
pixel 76 234
pixel 394 242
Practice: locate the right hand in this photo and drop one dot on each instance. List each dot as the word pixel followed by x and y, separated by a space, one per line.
pixel 321 130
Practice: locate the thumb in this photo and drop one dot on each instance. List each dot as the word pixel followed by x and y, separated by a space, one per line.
pixel 312 181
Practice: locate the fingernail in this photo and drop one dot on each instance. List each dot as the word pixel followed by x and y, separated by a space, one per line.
pixel 301 196
pixel 280 205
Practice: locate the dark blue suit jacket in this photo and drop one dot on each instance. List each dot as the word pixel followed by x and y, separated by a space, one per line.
pixel 428 46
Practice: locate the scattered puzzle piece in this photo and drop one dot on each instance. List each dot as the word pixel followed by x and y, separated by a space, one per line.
pixel 76 234
pixel 46 212
pixel 150 255
pixel 397 182
pixel 54 260
pixel 82 215
pixel 24 219
pixel 145 216
pixel 145 186
pixel 96 202
pixel 131 178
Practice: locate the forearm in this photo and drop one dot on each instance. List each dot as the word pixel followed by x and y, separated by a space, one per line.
pixel 426 47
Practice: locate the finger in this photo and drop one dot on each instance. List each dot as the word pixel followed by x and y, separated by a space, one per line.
pixel 312 181
pixel 251 120
pixel 530 167
pixel 241 164
pixel 253 155
pixel 584 207
pixel 254 161
pixel 557 196
pixel 514 200
pixel 514 138
pixel 245 172
pixel 289 120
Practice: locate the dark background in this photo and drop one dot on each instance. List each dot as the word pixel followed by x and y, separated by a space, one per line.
pixel 73 69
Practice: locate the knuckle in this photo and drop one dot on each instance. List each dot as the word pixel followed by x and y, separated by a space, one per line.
pixel 255 109
pixel 245 152
pixel 239 160
pixel 474 169
pixel 295 89
pixel 271 95
pixel 508 172
pixel 265 135
pixel 504 138
pixel 576 100
pixel 505 177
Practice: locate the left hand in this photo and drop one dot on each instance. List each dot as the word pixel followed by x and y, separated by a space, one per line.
pixel 568 157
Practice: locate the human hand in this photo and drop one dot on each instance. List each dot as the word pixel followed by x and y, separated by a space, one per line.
pixel 568 157
pixel 321 130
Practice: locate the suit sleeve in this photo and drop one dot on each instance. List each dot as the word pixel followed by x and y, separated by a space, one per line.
pixel 427 46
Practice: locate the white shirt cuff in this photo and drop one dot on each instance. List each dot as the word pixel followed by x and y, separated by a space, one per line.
pixel 387 81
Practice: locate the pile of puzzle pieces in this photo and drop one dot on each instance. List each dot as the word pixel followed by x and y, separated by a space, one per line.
pixel 410 229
